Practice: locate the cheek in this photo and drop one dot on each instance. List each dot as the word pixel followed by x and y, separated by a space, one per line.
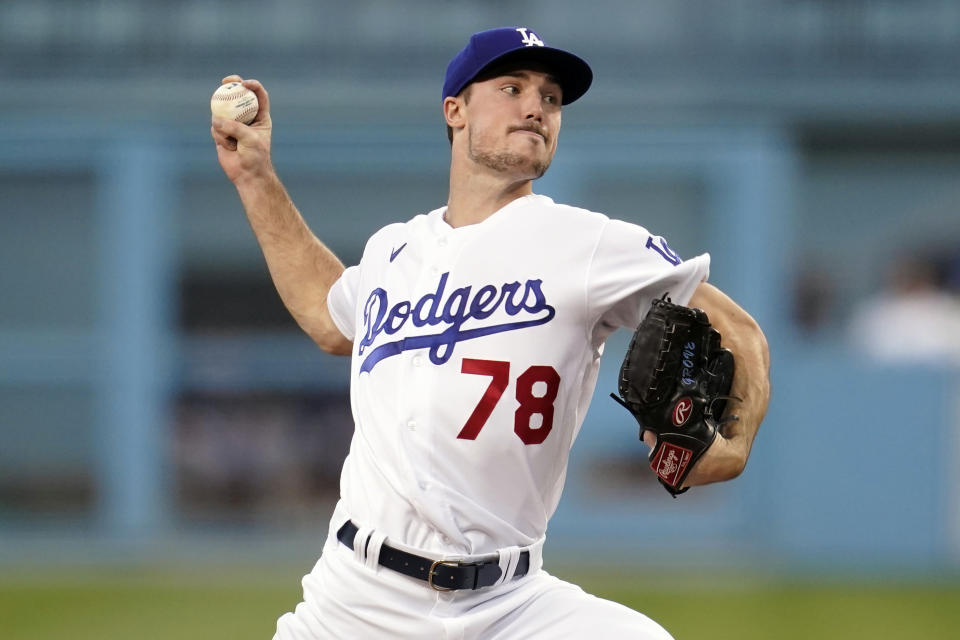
pixel 483 129
pixel 555 127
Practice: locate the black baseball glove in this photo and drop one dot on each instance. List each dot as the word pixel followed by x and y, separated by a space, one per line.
pixel 675 380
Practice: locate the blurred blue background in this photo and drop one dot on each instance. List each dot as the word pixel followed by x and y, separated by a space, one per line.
pixel 156 401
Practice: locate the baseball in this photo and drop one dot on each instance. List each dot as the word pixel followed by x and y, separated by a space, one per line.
pixel 233 101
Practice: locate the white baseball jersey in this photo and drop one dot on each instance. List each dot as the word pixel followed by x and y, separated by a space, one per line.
pixel 475 356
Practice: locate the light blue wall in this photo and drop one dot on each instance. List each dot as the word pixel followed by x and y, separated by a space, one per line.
pixel 854 466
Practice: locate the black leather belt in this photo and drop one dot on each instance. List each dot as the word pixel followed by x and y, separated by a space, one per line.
pixel 442 575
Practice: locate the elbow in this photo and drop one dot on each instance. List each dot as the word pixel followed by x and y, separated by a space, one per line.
pixel 332 342
pixel 324 332
pixel 731 469
pixel 736 469
pixel 341 348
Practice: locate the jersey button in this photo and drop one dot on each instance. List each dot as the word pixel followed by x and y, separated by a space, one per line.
pixel 412 425
pixel 417 360
pixel 442 241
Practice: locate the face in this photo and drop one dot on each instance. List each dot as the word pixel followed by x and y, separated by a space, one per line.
pixel 513 121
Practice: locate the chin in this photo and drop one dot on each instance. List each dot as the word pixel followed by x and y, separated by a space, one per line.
pixel 534 163
pixel 520 161
pixel 540 170
pixel 536 166
pixel 539 166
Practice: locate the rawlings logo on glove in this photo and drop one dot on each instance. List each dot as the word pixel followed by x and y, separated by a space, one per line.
pixel 675 380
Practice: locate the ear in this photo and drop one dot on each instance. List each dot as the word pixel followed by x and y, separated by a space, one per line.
pixel 454 112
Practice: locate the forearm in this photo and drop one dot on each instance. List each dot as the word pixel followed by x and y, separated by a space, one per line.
pixel 751 384
pixel 302 268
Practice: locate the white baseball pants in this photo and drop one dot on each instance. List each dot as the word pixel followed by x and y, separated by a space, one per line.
pixel 346 597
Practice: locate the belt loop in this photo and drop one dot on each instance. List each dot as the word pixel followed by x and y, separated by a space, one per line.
pixel 374 544
pixel 360 542
pixel 509 556
pixel 536 556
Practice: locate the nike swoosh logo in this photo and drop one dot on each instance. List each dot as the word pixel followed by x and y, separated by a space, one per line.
pixel 396 252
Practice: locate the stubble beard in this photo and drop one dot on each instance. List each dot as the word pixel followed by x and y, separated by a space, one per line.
pixel 504 161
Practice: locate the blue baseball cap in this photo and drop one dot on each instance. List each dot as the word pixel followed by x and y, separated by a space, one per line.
pixel 509 43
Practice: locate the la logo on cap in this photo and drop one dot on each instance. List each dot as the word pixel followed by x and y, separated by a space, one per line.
pixel 529 39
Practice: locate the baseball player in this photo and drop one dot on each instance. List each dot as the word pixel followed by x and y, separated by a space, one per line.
pixel 475 332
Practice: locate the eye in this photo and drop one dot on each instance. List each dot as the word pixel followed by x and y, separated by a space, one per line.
pixel 511 89
pixel 550 99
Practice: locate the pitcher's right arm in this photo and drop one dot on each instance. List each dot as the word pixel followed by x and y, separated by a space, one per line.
pixel 302 268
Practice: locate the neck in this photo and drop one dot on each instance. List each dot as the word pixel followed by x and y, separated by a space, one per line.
pixel 476 195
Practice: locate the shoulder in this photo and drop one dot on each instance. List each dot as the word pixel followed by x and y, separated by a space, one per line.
pixel 546 206
pixel 387 233
pixel 578 217
pixel 563 224
pixel 397 233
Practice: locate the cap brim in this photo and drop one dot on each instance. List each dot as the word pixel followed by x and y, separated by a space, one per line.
pixel 572 72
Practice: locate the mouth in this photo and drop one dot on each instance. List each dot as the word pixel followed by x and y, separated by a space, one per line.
pixel 531 131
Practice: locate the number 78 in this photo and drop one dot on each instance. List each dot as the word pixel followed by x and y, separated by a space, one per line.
pixel 530 404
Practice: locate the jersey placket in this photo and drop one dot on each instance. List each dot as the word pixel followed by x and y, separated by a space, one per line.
pixel 440 253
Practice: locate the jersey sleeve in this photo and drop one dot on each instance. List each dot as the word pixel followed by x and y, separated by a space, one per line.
pixel 342 301
pixel 630 268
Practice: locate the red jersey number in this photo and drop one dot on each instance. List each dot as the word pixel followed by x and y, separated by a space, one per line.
pixel 535 400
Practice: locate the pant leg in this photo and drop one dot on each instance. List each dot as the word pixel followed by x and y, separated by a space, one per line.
pixel 543 607
pixel 345 600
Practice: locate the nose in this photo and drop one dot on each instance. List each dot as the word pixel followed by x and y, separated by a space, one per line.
pixel 533 107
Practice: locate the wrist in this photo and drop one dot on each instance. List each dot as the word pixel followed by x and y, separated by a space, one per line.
pixel 253 182
pixel 724 460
